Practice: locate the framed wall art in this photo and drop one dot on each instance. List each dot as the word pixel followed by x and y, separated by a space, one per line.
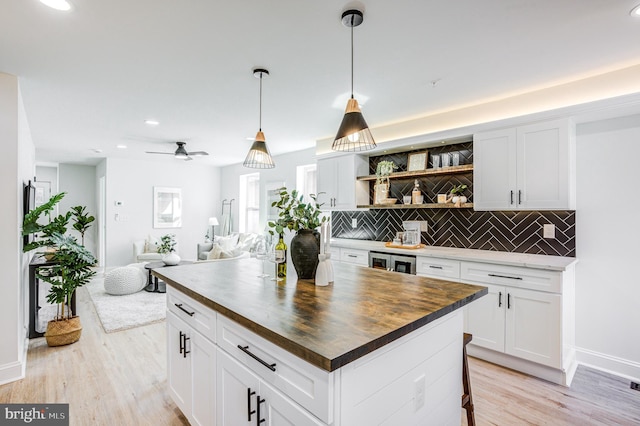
pixel 417 161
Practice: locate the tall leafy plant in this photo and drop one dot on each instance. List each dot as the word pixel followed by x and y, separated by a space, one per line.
pixel 294 213
pixel 44 231
pixel 82 221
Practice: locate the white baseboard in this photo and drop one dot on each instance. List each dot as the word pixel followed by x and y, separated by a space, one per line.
pixel 15 370
pixel 610 364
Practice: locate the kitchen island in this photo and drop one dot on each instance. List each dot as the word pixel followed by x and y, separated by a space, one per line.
pixel 375 347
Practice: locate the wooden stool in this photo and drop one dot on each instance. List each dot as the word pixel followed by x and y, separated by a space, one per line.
pixel 467 399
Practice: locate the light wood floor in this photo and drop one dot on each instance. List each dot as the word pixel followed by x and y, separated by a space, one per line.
pixel 120 379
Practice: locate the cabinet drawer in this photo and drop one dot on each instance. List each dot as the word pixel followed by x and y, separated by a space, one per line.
pixel 438 268
pixel 359 257
pixel 304 383
pixel 193 313
pixel 533 279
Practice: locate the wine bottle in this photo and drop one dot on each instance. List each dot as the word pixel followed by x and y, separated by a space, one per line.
pixel 281 253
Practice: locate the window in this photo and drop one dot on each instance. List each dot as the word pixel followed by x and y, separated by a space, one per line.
pixel 249 204
pixel 306 180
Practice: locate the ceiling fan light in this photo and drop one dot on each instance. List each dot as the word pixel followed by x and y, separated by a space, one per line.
pixel 259 156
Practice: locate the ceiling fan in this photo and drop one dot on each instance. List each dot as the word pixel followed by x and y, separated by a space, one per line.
pixel 181 152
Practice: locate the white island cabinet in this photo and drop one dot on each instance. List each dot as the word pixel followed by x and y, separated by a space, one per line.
pixel 247 351
pixel 529 167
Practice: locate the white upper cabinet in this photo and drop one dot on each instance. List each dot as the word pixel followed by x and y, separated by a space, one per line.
pixel 525 168
pixel 337 186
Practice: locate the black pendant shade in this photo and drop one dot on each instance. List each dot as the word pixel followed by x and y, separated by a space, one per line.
pixel 259 156
pixel 354 133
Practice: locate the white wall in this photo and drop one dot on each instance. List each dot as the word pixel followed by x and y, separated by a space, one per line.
pixel 17 166
pixel 131 182
pixel 79 182
pixel 608 232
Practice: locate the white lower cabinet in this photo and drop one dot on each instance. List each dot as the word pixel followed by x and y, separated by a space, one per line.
pixel 531 320
pixel 522 323
pixel 191 366
pixel 244 399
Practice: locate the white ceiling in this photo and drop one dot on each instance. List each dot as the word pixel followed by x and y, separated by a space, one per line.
pixel 91 76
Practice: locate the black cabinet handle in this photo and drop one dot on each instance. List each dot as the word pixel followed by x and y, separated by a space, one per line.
pixel 250 393
pixel 499 299
pixel 181 342
pixel 258 419
pixel 246 350
pixel 511 198
pixel 179 306
pixel 508 300
pixel 519 197
pixel 435 267
pixel 185 351
pixel 505 276
pixel 352 255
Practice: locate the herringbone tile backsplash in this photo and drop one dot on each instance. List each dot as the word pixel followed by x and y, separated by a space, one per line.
pixel 510 231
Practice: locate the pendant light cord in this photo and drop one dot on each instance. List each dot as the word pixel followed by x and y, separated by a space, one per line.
pixel 352 24
pixel 260 119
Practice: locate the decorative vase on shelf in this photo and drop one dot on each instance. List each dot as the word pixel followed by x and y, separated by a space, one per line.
pixel 304 250
pixel 380 193
pixel 171 258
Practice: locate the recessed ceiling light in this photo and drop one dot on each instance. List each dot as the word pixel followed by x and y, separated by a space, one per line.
pixel 63 5
pixel 635 11
pixel 121 146
pixel 151 122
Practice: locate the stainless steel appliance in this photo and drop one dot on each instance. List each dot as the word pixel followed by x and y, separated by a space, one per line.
pixel 405 264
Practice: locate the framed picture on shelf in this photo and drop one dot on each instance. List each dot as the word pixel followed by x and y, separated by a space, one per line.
pixel 417 161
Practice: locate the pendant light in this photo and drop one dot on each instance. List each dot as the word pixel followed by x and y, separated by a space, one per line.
pixel 354 133
pixel 259 156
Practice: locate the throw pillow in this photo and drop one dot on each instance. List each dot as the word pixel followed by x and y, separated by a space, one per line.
pixel 151 245
pixel 246 241
pixel 215 252
pixel 230 254
pixel 228 242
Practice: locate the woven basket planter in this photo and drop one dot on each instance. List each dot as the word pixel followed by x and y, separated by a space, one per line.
pixel 63 332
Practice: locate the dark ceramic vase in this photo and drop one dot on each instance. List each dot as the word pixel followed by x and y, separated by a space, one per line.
pixel 304 250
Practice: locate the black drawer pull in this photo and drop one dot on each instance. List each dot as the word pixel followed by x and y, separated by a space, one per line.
pixel 258 419
pixel 182 342
pixel 505 276
pixel 508 300
pixel 499 299
pixel 352 255
pixel 246 350
pixel 511 198
pixel 435 267
pixel 179 305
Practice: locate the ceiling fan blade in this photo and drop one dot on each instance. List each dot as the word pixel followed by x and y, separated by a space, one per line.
pixel 198 153
pixel 156 152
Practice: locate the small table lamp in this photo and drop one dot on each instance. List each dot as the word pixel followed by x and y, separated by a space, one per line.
pixel 213 221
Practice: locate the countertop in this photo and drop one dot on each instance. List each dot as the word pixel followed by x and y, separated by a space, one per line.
pixel 363 310
pixel 538 261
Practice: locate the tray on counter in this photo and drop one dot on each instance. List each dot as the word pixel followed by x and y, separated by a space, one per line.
pixel 416 246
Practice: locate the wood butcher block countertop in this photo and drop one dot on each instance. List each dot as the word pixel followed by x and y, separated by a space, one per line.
pixel 363 310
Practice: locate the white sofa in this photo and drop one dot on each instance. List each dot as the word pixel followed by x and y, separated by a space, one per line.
pixel 140 255
pixel 234 246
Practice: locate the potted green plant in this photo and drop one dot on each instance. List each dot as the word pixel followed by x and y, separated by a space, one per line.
pixel 72 268
pixel 295 214
pixel 167 248
pixel 82 221
pixel 381 187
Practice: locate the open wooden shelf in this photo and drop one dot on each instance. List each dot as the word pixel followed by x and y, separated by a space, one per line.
pixel 418 206
pixel 428 172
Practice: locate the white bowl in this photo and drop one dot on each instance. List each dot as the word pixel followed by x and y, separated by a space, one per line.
pixel 388 201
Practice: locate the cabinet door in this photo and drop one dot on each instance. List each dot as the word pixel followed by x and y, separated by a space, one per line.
pixel 327 182
pixel 278 410
pixel 178 366
pixel 494 170
pixel 337 178
pixel 203 362
pixel 485 319
pixel 236 393
pixel 544 166
pixel 533 326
